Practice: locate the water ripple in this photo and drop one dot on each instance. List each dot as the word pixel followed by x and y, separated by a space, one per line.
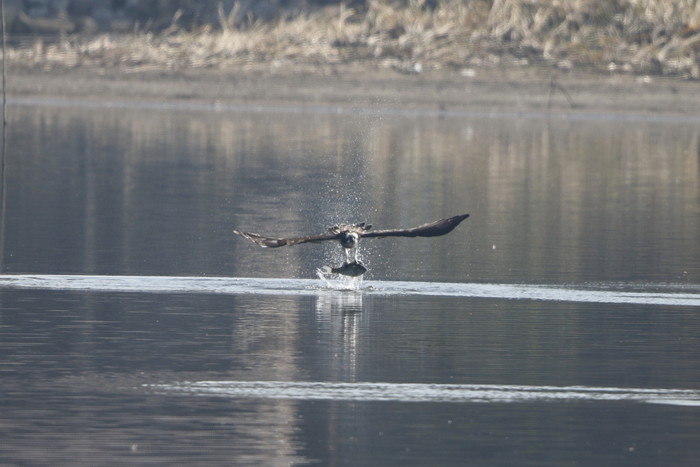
pixel 644 294
pixel 415 392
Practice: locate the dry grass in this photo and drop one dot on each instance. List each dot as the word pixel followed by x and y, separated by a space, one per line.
pixel 634 36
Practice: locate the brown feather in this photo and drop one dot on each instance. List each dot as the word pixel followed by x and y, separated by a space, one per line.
pixel 431 229
pixel 270 242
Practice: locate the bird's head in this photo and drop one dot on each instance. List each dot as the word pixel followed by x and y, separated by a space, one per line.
pixel 349 239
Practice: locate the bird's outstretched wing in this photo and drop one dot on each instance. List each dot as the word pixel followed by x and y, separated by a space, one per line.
pixel 431 229
pixel 270 242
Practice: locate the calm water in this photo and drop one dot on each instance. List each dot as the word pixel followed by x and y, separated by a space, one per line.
pixel 559 325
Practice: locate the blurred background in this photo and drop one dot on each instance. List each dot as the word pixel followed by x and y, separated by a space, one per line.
pixel 645 37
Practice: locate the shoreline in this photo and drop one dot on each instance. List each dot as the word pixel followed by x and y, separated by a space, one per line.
pixel 353 86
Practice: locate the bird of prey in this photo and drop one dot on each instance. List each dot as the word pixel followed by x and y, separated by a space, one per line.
pixel 349 235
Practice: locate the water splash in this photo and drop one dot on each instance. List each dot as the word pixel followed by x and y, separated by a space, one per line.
pixel 338 281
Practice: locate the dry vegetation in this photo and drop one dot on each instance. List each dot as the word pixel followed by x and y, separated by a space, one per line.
pixel 630 36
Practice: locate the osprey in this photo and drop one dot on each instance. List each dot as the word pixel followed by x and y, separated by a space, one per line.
pixel 349 235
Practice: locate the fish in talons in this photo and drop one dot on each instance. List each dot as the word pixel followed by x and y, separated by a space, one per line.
pixel 350 269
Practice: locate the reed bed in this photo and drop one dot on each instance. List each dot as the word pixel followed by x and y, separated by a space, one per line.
pixel 655 37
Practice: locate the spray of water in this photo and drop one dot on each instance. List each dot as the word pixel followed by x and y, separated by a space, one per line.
pixel 349 200
pixel 338 281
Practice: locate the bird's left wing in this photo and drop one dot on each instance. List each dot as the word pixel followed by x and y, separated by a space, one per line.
pixel 270 242
pixel 432 229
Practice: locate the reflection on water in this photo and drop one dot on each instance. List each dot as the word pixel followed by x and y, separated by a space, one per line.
pixel 146 192
pixel 134 327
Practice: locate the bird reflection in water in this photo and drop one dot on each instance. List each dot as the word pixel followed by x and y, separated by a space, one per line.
pixel 342 315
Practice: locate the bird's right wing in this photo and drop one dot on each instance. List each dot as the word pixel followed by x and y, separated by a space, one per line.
pixel 432 229
pixel 270 242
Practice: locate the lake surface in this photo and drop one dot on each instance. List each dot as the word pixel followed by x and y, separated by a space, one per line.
pixel 559 324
